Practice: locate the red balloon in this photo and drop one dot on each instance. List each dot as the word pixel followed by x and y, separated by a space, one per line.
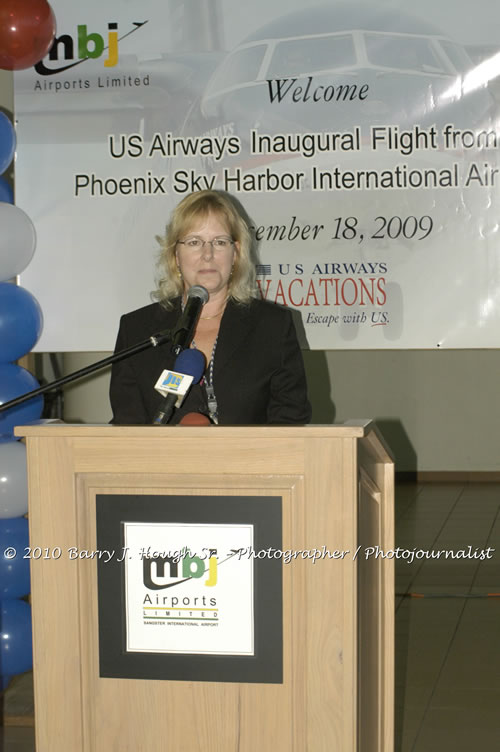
pixel 27 30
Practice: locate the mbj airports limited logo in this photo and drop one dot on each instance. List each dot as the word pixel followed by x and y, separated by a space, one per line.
pixel 166 571
pixel 156 576
pixel 68 51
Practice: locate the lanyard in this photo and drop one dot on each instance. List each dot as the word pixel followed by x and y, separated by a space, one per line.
pixel 208 383
pixel 209 387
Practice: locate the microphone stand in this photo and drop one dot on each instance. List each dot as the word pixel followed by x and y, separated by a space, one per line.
pixel 154 341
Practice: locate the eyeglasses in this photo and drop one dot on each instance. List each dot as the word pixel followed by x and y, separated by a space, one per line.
pixel 218 244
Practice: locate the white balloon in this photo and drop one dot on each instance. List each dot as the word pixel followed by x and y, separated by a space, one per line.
pixel 17 241
pixel 13 479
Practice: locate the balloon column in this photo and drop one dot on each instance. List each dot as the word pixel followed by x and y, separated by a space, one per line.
pixel 27 30
pixel 20 313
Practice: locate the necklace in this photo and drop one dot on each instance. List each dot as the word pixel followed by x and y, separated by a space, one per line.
pixel 207 318
pixel 216 315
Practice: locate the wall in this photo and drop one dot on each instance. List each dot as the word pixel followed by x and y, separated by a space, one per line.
pixel 438 411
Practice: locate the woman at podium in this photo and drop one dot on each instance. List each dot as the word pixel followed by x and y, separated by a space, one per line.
pixel 253 370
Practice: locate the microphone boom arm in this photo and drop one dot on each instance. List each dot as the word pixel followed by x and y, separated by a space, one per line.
pixel 154 341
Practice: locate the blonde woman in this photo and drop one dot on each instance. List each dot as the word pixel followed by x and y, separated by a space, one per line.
pixel 254 370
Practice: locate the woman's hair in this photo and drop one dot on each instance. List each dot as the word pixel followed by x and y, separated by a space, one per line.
pixel 191 209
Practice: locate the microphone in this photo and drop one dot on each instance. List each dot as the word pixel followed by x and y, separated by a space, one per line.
pixel 189 367
pixel 195 419
pixel 183 333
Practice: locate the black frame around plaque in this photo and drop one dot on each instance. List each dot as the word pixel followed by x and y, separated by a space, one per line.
pixel 264 513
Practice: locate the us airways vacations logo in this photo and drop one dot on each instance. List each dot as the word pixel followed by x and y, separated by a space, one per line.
pixel 68 50
pixel 165 571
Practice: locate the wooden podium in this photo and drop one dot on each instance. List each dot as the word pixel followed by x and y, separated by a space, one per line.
pixel 336 489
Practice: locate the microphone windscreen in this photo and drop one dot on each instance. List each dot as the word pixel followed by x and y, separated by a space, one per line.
pixel 197 291
pixel 190 362
pixel 195 419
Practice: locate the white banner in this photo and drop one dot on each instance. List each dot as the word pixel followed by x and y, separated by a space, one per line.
pixel 362 141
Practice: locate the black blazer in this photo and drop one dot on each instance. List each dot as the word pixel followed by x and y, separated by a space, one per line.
pixel 258 369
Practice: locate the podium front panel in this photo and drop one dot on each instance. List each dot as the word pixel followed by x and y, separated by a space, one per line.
pixel 333 627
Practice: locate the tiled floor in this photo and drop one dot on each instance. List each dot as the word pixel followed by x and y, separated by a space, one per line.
pixel 17 739
pixel 447 643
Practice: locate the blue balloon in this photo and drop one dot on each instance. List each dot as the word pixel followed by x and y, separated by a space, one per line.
pixel 15 381
pixel 6 192
pixel 16 653
pixel 7 142
pixel 21 322
pixel 14 568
